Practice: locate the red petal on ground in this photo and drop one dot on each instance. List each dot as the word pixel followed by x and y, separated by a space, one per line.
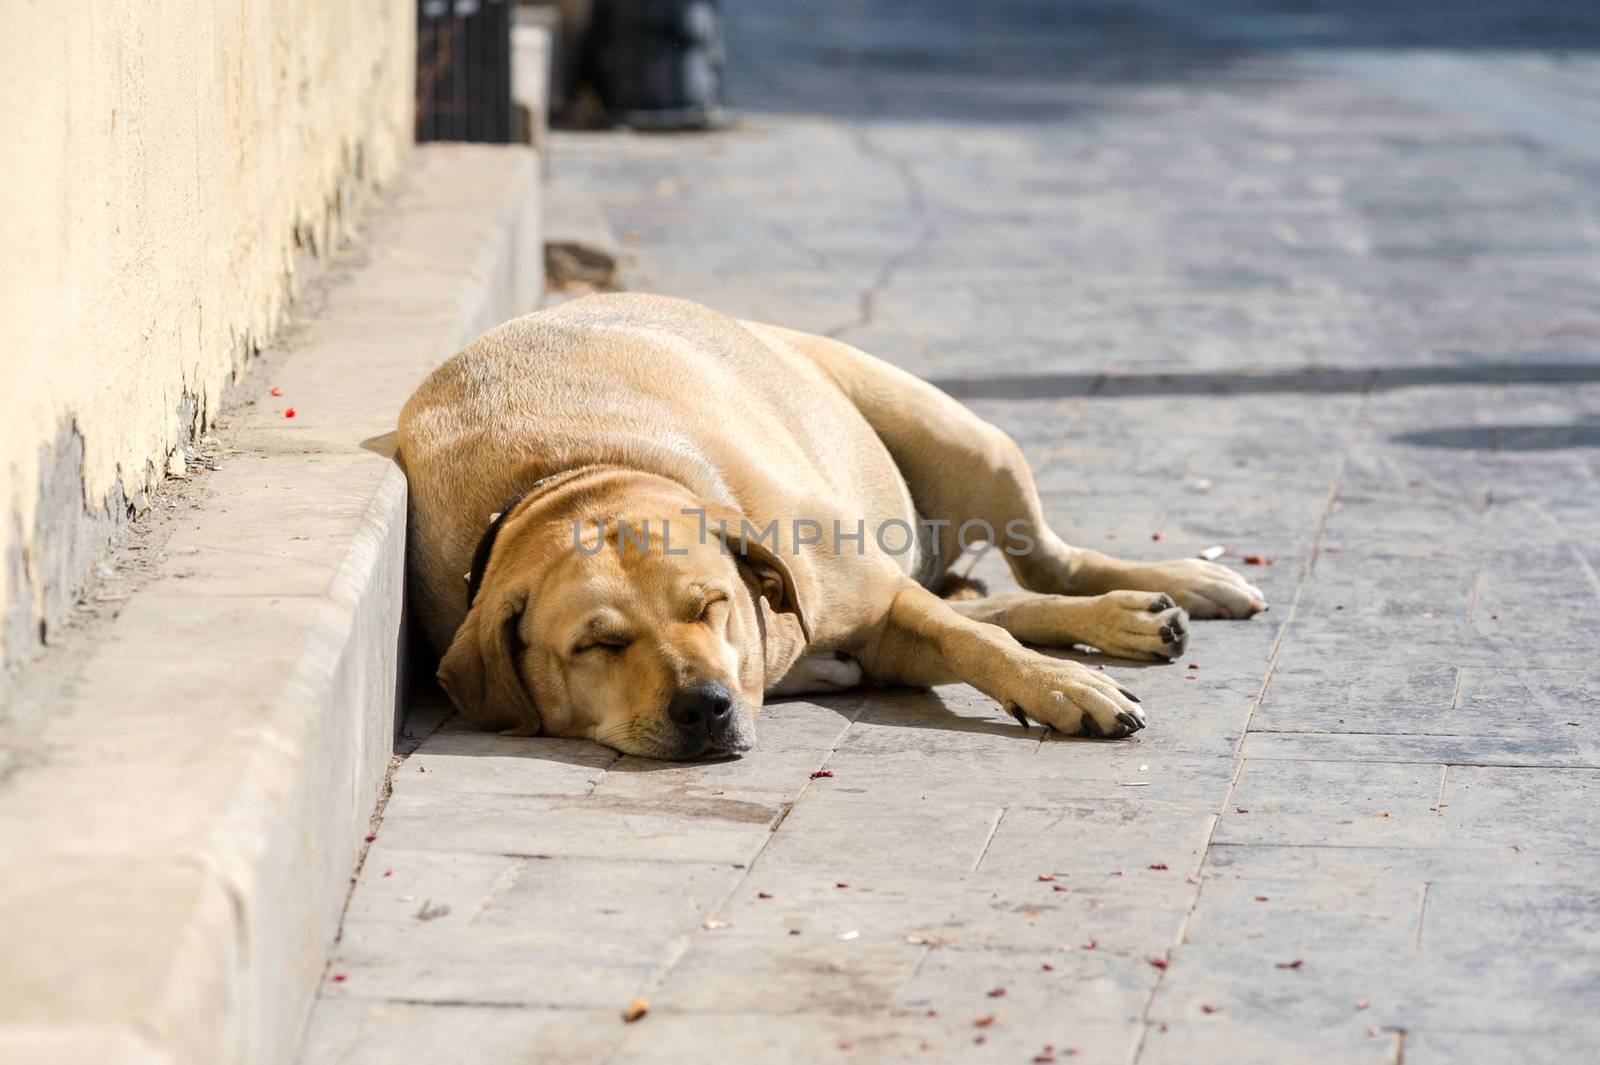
pixel 1158 865
pixel 1206 1007
pixel 822 773
pixel 983 1022
pixel 275 392
pixel 1257 560
pixel 1158 961
pixel 289 413
pixel 998 992
pixel 1290 964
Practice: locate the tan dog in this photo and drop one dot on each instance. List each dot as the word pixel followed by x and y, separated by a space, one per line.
pixel 695 512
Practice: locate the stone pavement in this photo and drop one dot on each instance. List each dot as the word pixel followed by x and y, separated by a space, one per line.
pixel 1219 294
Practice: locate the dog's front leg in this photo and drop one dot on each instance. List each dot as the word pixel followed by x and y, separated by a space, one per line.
pixel 922 641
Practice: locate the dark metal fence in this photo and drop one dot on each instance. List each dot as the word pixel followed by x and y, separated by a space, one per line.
pixel 464 70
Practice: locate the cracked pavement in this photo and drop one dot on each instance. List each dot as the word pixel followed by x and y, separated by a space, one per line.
pixel 1246 277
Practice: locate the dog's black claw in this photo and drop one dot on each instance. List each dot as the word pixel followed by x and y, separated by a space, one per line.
pixel 1016 711
pixel 1129 722
pixel 1161 602
pixel 1169 634
pixel 1128 695
pixel 1091 727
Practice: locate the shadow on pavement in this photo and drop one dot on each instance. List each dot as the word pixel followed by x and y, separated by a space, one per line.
pixel 1217 382
pixel 1506 437
pixel 1013 61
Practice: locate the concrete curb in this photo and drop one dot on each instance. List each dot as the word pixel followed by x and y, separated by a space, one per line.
pixel 179 853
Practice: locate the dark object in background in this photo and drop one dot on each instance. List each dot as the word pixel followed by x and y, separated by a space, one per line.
pixel 464 71
pixel 657 64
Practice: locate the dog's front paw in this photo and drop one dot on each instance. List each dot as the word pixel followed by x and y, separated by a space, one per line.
pixel 1146 626
pixel 1075 700
pixel 1205 589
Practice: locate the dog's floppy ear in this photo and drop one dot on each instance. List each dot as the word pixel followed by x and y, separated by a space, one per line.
pixel 480 670
pixel 770 572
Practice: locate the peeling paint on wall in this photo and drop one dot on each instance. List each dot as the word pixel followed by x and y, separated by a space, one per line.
pixel 168 170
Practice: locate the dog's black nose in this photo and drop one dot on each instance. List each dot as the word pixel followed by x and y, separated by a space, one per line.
pixel 704 706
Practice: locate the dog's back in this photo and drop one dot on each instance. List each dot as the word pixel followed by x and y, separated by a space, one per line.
pixel 647 382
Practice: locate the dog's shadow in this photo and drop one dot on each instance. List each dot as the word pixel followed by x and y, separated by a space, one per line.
pixel 820 721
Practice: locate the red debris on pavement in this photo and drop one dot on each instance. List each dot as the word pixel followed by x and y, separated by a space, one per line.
pixel 289 412
pixel 1090 944
pixel 983 1022
pixel 1158 865
pixel 1158 961
pixel 1290 964
pixel 1257 560
pixel 339 978
pixel 998 992
pixel 822 773
pixel 275 392
pixel 763 894
pixel 841 883
pixel 1206 1007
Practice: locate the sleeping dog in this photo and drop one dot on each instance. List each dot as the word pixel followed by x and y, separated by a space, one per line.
pixel 632 518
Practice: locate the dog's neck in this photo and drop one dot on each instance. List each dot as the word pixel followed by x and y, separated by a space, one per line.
pixel 537 490
pixel 497 521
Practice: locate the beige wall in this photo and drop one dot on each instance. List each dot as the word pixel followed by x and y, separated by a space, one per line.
pixel 163 163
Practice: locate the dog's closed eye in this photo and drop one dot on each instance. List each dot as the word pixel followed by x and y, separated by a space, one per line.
pixel 608 644
pixel 713 606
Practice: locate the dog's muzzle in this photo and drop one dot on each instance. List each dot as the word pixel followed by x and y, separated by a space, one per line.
pixel 706 717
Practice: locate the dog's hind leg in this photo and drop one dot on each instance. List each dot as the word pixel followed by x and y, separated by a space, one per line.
pixel 959 467
pixel 1146 626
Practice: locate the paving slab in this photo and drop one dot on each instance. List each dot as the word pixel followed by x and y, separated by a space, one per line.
pixel 1232 274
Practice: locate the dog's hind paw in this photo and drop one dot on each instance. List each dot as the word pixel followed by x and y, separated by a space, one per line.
pixel 1205 589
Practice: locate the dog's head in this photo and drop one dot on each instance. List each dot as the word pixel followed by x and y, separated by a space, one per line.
pixel 602 607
